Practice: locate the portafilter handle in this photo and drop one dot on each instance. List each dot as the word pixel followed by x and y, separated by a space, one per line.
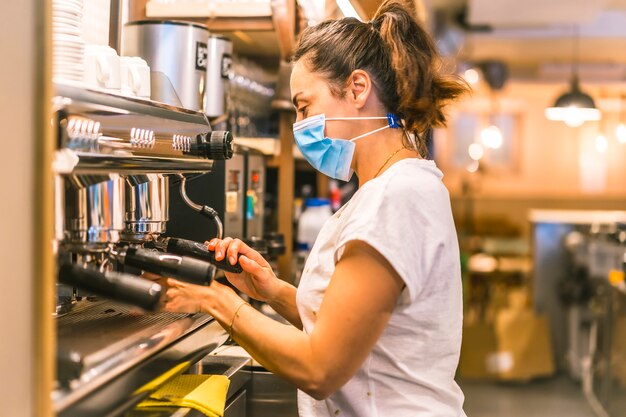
pixel 121 287
pixel 199 251
pixel 183 268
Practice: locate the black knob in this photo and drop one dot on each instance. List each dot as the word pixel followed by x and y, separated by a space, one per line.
pixel 275 244
pixel 217 144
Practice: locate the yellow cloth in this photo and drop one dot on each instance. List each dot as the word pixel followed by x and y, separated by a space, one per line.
pixel 205 393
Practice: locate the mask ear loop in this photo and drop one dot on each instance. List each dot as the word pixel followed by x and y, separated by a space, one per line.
pixel 369 133
pixel 396 122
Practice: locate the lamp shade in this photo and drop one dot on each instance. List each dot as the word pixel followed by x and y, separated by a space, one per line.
pixel 574 107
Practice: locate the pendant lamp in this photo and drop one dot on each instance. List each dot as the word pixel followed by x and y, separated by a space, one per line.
pixel 574 107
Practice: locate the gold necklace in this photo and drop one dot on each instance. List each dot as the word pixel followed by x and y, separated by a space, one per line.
pixel 387 160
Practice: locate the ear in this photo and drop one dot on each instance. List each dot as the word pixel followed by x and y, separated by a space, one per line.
pixel 359 88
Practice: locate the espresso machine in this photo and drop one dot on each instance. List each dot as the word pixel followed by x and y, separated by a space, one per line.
pixel 115 162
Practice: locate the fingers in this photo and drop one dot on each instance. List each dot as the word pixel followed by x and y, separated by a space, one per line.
pixel 250 266
pixel 233 251
pixel 231 248
pixel 178 298
pixel 221 247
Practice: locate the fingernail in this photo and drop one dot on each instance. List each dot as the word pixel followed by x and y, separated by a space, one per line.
pixel 232 260
pixel 218 255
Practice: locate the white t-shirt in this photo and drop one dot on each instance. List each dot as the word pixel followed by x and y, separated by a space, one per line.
pixel 405 215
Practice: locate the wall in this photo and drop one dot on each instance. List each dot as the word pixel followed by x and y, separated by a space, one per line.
pixel 16 309
pixel 554 166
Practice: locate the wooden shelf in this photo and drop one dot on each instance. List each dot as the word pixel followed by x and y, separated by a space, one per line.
pixel 257 29
pixel 210 9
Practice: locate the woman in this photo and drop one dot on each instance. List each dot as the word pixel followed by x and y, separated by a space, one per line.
pixel 378 311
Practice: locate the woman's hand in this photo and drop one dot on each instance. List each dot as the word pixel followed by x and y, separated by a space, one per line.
pixel 257 279
pixel 182 297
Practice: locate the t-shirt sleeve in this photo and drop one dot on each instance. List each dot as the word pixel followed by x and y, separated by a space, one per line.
pixel 389 224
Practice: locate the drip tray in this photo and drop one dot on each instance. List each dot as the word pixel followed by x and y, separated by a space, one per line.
pixel 100 340
pixel 96 330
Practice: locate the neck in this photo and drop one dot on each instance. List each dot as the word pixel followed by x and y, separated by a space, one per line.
pixel 373 151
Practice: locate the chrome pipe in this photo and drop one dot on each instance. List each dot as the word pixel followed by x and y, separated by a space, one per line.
pixel 89 163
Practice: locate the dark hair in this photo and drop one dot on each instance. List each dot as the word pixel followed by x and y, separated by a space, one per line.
pixel 400 57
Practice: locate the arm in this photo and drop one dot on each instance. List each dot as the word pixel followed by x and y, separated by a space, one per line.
pixel 356 308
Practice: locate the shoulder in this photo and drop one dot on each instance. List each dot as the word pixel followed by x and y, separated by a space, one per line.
pixel 409 179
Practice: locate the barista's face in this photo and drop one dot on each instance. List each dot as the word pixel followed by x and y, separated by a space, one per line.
pixel 311 95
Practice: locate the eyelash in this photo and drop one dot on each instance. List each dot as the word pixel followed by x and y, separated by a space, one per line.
pixel 302 110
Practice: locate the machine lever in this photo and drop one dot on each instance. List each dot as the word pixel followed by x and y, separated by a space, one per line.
pixel 184 268
pixel 116 286
pixel 199 251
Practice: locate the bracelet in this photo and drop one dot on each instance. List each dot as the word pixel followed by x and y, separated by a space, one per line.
pixel 230 328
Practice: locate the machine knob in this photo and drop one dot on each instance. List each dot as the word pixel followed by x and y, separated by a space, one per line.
pixel 217 144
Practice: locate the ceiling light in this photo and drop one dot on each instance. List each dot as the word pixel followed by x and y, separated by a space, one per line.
pixel 471 76
pixel 476 151
pixel 473 167
pixel 574 107
pixel 491 137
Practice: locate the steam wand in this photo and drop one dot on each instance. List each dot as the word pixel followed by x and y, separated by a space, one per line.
pixel 204 210
pixel 193 249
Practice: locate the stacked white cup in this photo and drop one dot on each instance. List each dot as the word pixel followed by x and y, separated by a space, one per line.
pixel 102 68
pixel 67 45
pixel 135 75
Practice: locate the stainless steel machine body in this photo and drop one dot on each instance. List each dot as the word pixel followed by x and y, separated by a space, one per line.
pixel 93 209
pixel 112 167
pixel 177 49
pixel 219 61
pixel 147 206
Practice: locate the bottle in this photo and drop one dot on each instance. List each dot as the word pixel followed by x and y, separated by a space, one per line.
pixel 317 211
pixel 315 214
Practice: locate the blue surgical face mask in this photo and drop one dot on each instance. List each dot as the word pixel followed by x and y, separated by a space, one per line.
pixel 332 157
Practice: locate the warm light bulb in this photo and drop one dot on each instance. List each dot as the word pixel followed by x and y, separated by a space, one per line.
pixel 620 132
pixel 491 137
pixel 572 116
pixel 471 76
pixel 601 143
pixel 476 151
pixel 473 166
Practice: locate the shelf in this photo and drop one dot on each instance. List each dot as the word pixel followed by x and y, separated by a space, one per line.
pixel 210 9
pixel 127 112
pixel 267 146
pixel 257 29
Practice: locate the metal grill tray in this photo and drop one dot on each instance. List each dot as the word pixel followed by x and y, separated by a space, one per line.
pixel 96 330
pixel 112 339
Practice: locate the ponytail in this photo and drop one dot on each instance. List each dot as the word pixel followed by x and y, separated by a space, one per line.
pixel 422 89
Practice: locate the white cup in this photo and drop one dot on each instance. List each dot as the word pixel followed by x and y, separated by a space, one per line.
pixel 102 67
pixel 135 76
